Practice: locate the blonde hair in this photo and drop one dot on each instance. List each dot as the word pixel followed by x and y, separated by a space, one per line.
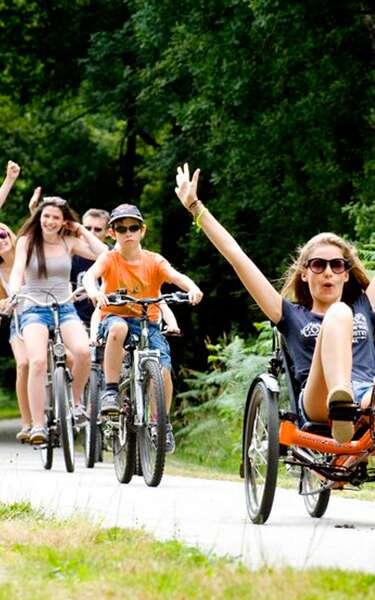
pixel 13 239
pixel 297 290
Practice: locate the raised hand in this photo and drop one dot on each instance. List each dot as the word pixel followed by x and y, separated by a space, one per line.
pixel 13 170
pixel 34 200
pixel 186 189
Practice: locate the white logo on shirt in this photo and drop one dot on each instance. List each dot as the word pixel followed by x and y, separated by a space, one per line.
pixel 360 329
pixel 311 329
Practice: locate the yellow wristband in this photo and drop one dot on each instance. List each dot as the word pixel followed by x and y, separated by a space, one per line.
pixel 198 218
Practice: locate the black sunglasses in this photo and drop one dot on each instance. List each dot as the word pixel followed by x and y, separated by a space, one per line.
pixel 96 229
pixel 3 234
pixel 319 265
pixel 124 228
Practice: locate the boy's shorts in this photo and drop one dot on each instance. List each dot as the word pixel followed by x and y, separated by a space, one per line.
pixel 156 339
pixel 44 315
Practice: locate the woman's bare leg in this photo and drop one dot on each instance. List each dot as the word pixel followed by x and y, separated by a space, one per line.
pixel 35 338
pixel 22 366
pixel 331 365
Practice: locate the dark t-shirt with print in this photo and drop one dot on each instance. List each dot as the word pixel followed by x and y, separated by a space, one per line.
pixel 300 328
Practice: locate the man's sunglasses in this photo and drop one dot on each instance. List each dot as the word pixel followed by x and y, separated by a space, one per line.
pixel 124 228
pixel 319 265
pixel 3 234
pixel 96 229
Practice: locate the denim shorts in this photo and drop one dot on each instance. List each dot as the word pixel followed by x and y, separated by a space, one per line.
pixel 156 339
pixel 44 315
pixel 12 329
pixel 360 388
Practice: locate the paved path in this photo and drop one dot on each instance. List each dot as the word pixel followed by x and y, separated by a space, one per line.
pixel 206 513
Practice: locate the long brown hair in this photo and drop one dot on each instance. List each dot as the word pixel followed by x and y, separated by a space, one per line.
pixel 33 231
pixel 297 290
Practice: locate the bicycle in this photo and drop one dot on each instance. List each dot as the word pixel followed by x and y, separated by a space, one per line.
pixel 142 416
pixel 272 435
pixel 93 434
pixel 59 399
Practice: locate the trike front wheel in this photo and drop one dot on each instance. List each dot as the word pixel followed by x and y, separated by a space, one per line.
pixel 261 452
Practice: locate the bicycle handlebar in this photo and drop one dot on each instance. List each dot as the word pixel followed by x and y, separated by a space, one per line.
pixel 81 292
pixel 120 298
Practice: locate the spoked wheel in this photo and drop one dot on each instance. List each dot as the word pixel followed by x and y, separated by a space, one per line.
pixel 152 434
pixel 138 465
pixel 261 452
pixel 46 452
pixel 124 445
pixel 64 404
pixel 91 430
pixel 315 497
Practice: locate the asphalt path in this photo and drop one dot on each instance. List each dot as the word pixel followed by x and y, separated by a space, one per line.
pixel 210 514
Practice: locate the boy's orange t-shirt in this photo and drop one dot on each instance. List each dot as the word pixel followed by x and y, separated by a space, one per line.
pixel 143 280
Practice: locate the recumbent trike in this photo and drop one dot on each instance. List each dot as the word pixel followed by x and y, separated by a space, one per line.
pixel 272 435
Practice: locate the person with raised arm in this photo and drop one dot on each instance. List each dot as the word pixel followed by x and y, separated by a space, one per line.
pixel 13 170
pixel 46 243
pixel 325 312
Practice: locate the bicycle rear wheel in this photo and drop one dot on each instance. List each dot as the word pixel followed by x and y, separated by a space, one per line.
pixel 46 453
pixel 315 499
pixel 261 452
pixel 64 404
pixel 124 442
pixel 151 435
pixel 91 430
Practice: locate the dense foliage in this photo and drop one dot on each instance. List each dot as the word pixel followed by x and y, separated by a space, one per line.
pixel 101 99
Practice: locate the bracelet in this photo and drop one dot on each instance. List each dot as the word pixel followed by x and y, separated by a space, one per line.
pixel 197 219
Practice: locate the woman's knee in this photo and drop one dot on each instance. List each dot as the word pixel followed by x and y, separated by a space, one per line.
pixel 38 365
pixel 340 313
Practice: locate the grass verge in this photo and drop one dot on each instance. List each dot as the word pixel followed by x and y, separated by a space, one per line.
pixel 42 558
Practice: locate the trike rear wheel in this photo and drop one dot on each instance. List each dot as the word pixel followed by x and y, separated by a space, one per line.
pixel 315 498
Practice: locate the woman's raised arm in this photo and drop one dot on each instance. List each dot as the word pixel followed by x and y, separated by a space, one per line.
pixel 258 286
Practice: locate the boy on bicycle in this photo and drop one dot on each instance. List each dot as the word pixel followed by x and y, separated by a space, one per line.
pixel 142 274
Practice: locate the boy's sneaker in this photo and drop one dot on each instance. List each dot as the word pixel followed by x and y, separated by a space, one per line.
pixel 170 444
pixel 109 404
pixel 79 415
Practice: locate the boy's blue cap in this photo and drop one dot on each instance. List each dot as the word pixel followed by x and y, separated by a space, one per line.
pixel 125 210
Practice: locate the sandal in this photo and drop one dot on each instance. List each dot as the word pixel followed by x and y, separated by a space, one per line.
pixel 341 412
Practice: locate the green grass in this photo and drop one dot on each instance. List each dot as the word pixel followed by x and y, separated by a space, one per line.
pixel 42 558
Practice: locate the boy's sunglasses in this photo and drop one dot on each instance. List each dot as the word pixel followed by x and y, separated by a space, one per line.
pixel 3 234
pixel 124 228
pixel 96 229
pixel 319 265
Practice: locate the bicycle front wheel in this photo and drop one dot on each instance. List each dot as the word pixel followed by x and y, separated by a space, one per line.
pixel 91 430
pixel 65 411
pixel 151 435
pixel 124 442
pixel 261 452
